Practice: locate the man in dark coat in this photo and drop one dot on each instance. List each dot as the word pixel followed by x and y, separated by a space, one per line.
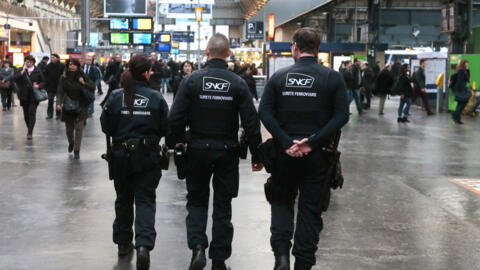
pixel 420 87
pixel 368 80
pixel 52 74
pixel 157 69
pixel 112 75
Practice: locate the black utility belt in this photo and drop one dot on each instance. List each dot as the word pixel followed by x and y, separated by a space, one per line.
pixel 216 146
pixel 135 145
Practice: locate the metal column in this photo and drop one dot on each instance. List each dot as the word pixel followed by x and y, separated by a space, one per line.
pixel 374 7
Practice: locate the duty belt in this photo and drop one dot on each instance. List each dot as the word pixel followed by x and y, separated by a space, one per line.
pixel 131 145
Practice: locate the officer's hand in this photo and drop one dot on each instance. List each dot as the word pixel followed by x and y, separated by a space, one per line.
pixel 59 108
pixel 303 146
pixel 256 167
pixel 294 151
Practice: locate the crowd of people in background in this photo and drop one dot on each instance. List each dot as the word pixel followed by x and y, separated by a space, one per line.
pixel 61 81
pixel 397 79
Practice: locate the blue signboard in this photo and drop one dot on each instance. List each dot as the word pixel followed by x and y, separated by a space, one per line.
pixel 183 36
pixel 164 47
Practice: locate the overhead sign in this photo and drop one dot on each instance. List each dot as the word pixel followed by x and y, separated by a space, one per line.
pixel 125 7
pixel 185 11
pixel 235 43
pixel 255 30
pixel 203 2
pixel 183 36
pixel 119 24
pixel 164 37
pixel 94 38
pixel 119 38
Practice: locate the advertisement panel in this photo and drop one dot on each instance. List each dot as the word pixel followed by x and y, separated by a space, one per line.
pixel 255 30
pixel 185 11
pixel 125 7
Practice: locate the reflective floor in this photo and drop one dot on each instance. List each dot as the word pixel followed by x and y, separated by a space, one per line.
pixel 401 207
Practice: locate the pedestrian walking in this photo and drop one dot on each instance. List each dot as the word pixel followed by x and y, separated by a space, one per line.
pixel 6 85
pixel 71 102
pixel 52 74
pixel 420 86
pixel 460 90
pixel 29 79
pixel 383 87
pixel 405 90
pixel 186 69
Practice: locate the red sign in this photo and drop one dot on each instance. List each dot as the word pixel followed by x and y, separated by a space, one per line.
pixel 271 26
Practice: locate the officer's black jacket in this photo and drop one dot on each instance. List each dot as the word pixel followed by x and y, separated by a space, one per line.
pixel 149 119
pixel 209 102
pixel 305 100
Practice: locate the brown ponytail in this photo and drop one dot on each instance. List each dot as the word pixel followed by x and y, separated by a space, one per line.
pixel 137 65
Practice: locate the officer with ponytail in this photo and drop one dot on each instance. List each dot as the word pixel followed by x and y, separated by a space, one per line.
pixel 135 118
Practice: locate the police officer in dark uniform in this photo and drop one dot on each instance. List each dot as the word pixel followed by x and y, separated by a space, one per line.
pixel 303 107
pixel 136 119
pixel 209 101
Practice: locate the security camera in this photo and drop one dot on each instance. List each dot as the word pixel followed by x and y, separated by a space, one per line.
pixel 30 23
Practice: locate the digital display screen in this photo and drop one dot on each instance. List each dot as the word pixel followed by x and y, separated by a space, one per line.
pixel 119 24
pixel 142 24
pixel 119 38
pixel 142 38
pixel 164 47
pixel 164 38
pixel 125 7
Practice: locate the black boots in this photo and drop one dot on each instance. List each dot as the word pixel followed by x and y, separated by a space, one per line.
pixel 302 266
pixel 219 265
pixel 76 154
pixel 143 258
pixel 70 148
pixel 125 249
pixel 199 260
pixel 282 262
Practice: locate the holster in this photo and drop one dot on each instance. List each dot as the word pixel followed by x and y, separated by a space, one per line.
pixel 180 160
pixel 243 145
pixel 267 154
pixel 268 188
pixel 165 158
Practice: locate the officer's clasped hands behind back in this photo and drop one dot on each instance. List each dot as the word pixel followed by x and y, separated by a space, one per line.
pixel 135 117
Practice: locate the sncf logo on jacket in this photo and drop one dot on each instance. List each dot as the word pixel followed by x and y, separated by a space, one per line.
pixel 215 84
pixel 139 102
pixel 299 80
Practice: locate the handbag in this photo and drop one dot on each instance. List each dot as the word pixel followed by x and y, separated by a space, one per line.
pixel 463 97
pixel 70 106
pixel 4 85
pixel 38 94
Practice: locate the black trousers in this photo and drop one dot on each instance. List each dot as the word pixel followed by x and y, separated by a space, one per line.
pixel 305 176
pixel 6 97
pixel 50 108
pixel 201 165
pixel 30 115
pixel 139 189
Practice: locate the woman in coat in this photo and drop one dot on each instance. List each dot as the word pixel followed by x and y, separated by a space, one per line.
pixel 406 93
pixel 185 69
pixel 27 79
pixel 248 77
pixel 460 90
pixel 70 91
pixel 384 85
pixel 6 76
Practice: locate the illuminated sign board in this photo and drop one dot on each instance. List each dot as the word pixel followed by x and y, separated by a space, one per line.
pixel 119 38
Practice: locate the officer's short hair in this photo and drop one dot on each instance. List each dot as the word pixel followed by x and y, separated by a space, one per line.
pixel 218 45
pixel 307 39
